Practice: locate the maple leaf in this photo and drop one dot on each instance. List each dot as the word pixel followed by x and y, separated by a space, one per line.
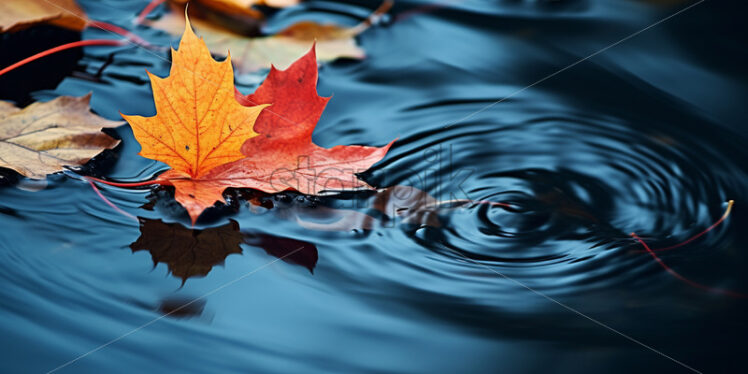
pixel 283 157
pixel 44 137
pixel 252 53
pixel 238 7
pixel 204 132
pixel 198 125
pixel 19 14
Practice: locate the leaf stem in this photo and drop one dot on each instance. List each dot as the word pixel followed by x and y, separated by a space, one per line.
pixel 106 26
pixel 81 43
pixel 147 10
pixel 710 228
pixel 123 184
pixel 684 279
pixel 111 204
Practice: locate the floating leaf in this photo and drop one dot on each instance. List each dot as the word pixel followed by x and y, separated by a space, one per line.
pixel 251 53
pixel 44 137
pixel 283 157
pixel 200 127
pixel 238 7
pixel 19 14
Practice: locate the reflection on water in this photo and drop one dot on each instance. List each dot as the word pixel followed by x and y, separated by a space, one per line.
pixel 187 252
pixel 191 252
pixel 647 136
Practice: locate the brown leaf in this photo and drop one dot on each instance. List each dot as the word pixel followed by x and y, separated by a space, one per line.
pixel 19 14
pixel 43 137
pixel 238 7
pixel 252 53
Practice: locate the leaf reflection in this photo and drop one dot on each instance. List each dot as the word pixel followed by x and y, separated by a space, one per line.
pixel 193 253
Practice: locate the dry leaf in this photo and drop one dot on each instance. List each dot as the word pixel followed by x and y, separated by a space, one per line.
pixel 19 14
pixel 203 131
pixel 199 125
pixel 252 53
pixel 43 137
pixel 238 7
pixel 283 157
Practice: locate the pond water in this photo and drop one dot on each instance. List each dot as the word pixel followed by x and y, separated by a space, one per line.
pixel 647 136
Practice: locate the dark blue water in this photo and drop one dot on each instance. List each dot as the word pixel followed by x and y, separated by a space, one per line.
pixel 646 136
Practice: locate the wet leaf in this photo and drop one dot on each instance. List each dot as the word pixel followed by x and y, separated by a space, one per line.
pixel 283 157
pixel 199 125
pixel 251 52
pixel 199 132
pixel 44 137
pixel 238 7
pixel 19 14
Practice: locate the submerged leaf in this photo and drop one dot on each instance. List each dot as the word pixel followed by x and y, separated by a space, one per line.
pixel 44 137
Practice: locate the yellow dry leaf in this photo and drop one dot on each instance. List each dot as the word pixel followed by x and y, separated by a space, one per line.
pixel 44 137
pixel 199 124
pixel 239 7
pixel 19 14
pixel 255 53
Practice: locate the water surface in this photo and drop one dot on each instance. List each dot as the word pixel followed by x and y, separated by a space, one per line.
pixel 647 136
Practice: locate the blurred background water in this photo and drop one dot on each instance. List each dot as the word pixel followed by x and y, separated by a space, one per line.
pixel 647 136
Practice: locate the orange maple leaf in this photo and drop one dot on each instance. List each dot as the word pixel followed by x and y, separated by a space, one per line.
pixel 199 124
pixel 222 150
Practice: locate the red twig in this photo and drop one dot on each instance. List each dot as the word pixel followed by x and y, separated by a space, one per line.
pixel 710 228
pixel 119 31
pixel 116 208
pixel 81 43
pixel 147 10
pixel 684 279
pixel 123 184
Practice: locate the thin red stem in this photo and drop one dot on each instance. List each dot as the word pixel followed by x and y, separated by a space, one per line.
pixel 710 228
pixel 116 208
pixel 147 10
pixel 123 184
pixel 119 31
pixel 684 279
pixel 81 43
